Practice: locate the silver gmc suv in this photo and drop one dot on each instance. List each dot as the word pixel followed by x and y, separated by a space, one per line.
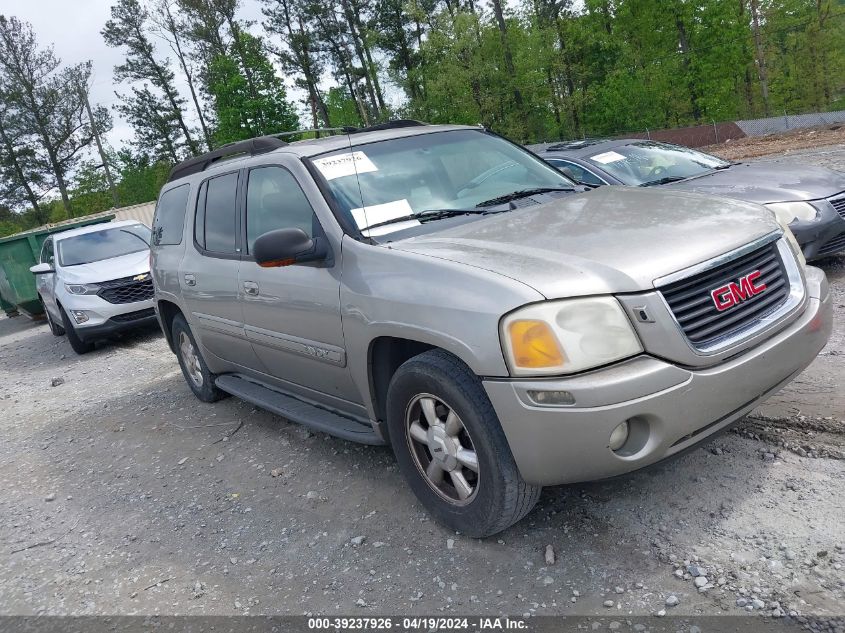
pixel 440 289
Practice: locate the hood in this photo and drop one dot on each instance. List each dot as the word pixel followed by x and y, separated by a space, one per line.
pixel 765 182
pixel 610 240
pixel 108 269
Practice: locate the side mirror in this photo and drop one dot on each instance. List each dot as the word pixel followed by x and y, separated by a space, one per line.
pixel 41 269
pixel 285 247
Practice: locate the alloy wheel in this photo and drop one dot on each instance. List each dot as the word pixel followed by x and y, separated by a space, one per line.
pixel 442 449
pixel 191 359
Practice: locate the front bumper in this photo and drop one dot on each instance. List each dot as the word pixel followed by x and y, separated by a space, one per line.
pixel 823 236
pixel 670 408
pixel 104 318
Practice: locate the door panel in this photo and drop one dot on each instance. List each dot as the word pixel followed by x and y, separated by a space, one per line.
pixel 208 274
pixel 47 282
pixel 292 313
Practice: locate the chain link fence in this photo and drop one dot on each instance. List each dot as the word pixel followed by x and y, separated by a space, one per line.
pixel 787 122
pixel 714 133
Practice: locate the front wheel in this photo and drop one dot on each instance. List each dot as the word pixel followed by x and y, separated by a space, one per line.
pixel 55 328
pixel 450 446
pixel 77 343
pixel 196 372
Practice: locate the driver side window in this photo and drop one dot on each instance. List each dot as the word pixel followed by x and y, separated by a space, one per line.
pixel 47 252
pixel 274 200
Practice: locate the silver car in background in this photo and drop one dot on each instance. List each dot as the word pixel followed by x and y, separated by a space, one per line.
pixel 95 281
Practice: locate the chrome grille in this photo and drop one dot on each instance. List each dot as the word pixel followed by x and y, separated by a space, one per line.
pixel 126 290
pixel 838 204
pixel 694 308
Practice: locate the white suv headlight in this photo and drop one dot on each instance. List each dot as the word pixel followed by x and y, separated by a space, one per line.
pixel 789 212
pixel 82 289
pixel 563 337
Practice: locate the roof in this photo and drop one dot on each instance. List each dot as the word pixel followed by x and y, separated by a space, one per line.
pixel 587 147
pixel 313 147
pixel 245 150
pixel 93 228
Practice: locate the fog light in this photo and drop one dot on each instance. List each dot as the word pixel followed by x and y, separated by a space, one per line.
pixel 79 316
pixel 619 436
pixel 551 398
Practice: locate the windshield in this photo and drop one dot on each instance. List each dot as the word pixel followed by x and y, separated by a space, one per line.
pixel 458 169
pixel 105 244
pixel 649 162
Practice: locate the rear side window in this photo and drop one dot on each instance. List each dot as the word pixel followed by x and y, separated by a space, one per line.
pixel 169 219
pixel 214 228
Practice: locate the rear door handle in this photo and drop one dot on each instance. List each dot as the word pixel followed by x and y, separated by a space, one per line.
pixel 251 288
pixel 190 280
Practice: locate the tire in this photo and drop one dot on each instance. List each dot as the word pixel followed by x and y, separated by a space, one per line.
pixel 196 372
pixel 78 344
pixel 498 497
pixel 55 328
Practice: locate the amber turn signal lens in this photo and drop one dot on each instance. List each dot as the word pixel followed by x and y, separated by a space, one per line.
pixel 534 345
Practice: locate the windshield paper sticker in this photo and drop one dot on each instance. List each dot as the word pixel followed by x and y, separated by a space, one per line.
pixel 607 157
pixel 378 213
pixel 345 165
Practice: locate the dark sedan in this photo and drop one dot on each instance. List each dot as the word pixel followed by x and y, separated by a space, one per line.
pixel 810 199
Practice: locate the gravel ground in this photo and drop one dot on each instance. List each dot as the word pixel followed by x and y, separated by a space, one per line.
pixel 120 493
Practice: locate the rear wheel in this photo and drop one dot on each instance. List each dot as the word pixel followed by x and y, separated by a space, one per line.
pixel 196 372
pixel 450 446
pixel 77 343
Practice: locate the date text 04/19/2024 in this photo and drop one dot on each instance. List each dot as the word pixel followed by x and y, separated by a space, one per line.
pixel 417 623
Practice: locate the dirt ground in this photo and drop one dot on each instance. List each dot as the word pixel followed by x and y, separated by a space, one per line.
pixel 780 144
pixel 120 493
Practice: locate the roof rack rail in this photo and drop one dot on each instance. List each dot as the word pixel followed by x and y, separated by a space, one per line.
pixel 249 147
pixel 388 125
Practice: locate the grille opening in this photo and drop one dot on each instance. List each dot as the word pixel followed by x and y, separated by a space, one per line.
pixel 693 306
pixel 126 290
pixel 838 204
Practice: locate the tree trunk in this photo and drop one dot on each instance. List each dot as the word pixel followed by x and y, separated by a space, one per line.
pixel 250 80
pixel 10 151
pixel 506 49
pixel 684 47
pixel 168 90
pixel 761 56
pixel 359 53
pixel 177 48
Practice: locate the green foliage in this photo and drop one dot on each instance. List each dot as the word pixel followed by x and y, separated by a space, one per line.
pixel 249 99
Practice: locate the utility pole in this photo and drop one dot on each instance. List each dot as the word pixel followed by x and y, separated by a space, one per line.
pixel 96 132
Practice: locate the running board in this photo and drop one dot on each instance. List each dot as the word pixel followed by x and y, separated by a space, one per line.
pixel 298 411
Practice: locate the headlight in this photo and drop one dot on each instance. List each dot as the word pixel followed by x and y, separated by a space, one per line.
pixel 82 289
pixel 562 337
pixel 790 237
pixel 789 212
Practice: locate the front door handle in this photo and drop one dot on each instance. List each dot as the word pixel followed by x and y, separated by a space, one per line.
pixel 251 288
pixel 190 280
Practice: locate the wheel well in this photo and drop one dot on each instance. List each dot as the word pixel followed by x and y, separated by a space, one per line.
pixel 167 312
pixel 386 355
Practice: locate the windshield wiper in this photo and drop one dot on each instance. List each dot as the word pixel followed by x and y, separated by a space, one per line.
pixel 428 214
pixel 662 181
pixel 522 193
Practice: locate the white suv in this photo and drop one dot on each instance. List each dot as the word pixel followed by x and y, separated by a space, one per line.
pixel 95 281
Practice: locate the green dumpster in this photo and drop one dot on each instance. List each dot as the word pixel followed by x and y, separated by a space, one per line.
pixel 20 251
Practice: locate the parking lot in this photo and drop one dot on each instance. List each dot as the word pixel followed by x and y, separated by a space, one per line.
pixel 121 493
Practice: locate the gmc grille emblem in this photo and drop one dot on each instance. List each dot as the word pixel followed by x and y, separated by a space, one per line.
pixel 734 293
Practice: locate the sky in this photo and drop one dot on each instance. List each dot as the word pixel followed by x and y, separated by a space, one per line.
pixel 73 28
